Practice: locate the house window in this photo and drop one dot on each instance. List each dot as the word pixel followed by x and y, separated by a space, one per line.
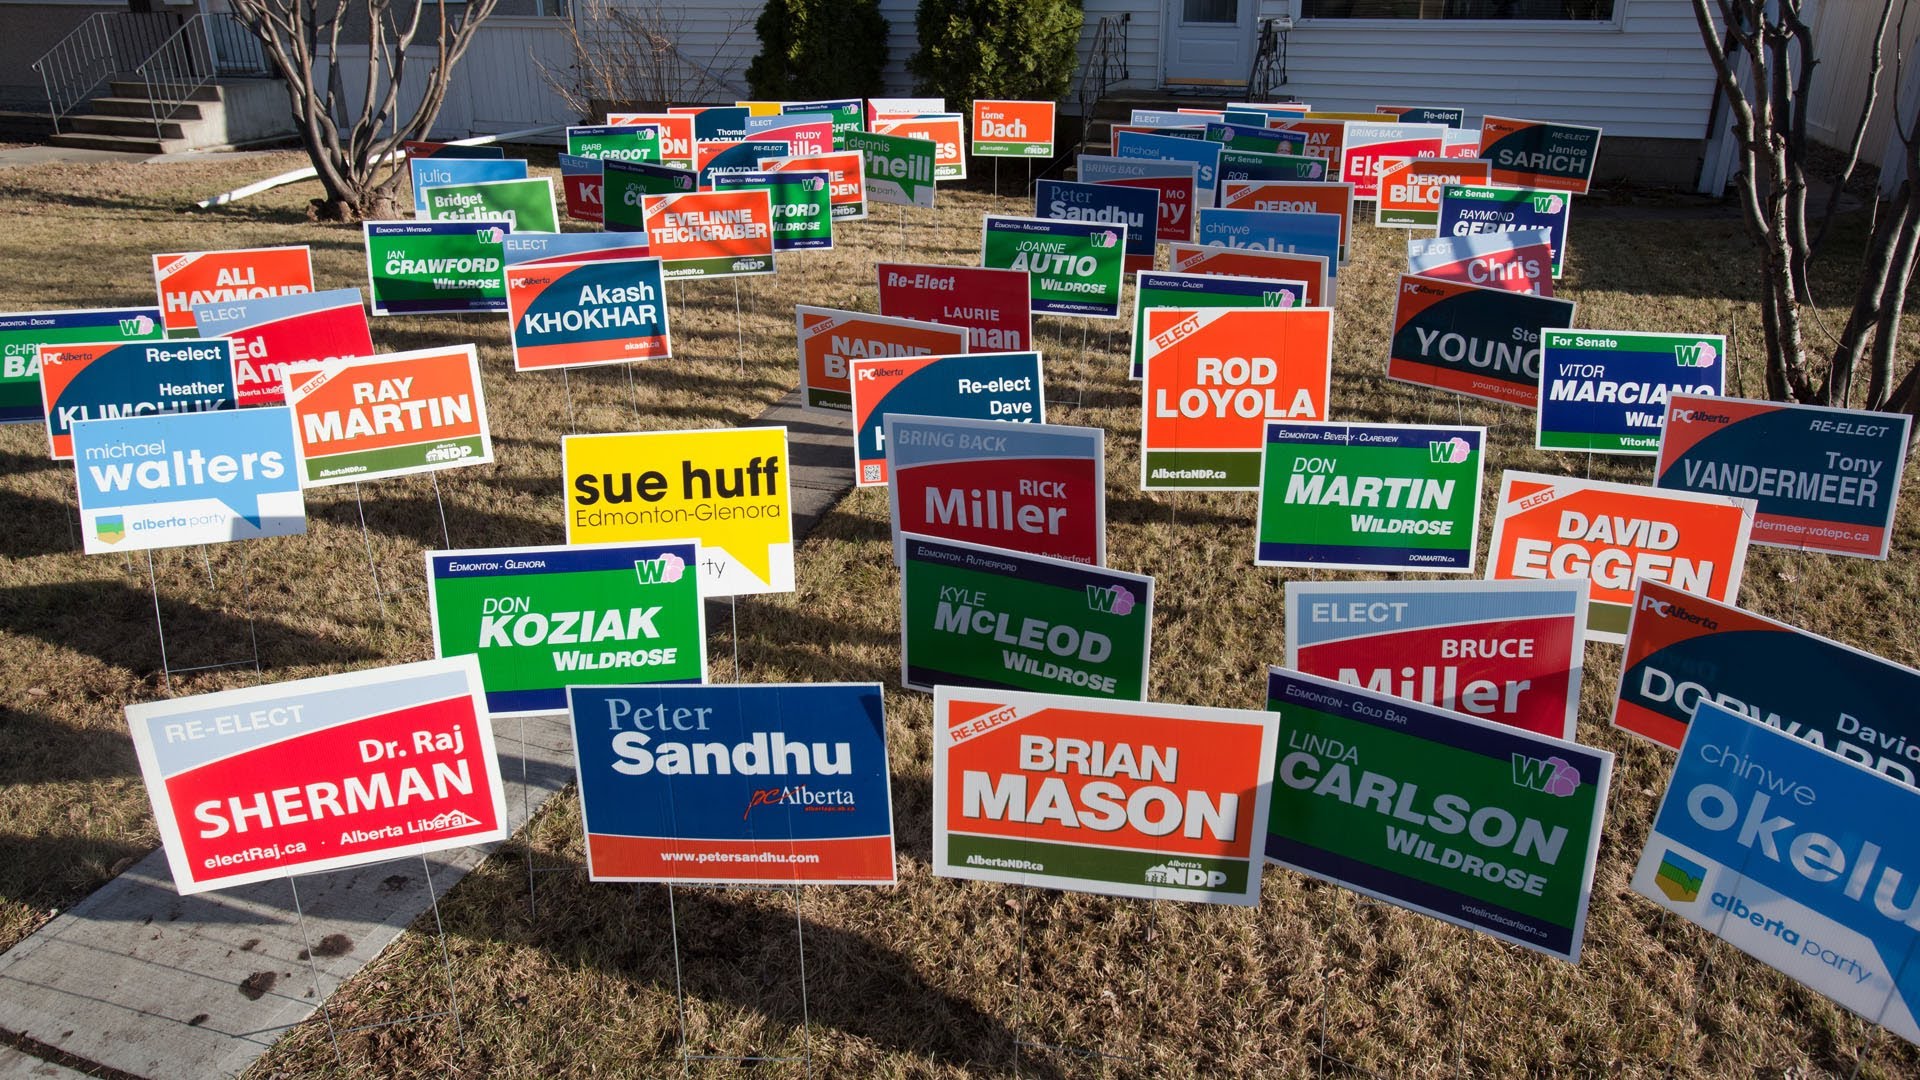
pixel 1210 11
pixel 1531 10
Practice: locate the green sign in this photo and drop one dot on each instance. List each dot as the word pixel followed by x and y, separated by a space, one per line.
pixel 1369 497
pixel 618 142
pixel 1161 289
pixel 849 114
pixel 527 204
pixel 899 170
pixel 1073 267
pixel 1480 824
pixel 542 619
pixel 802 206
pixel 424 267
pixel 1256 166
pixel 625 185
pixel 983 616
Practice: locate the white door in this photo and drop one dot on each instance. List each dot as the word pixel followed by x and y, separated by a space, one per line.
pixel 1210 41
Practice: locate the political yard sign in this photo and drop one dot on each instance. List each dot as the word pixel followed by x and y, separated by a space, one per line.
pixel 1172 182
pixel 1408 196
pixel 1821 479
pixel 1533 154
pixel 982 386
pixel 1617 536
pixel 1158 289
pixel 802 206
pixel 828 338
pixel 210 277
pixel 712 233
pixel 1072 267
pixel 439 171
pixel 846 179
pixel 620 142
pixel 541 619
pixel 1013 129
pixel 1034 488
pixel 626 186
pixel 943 130
pixel 607 311
pixel 1214 378
pixel 1370 497
pixel 280 333
pixel 972 615
pixel 1136 208
pixel 436 267
pixel 1293 197
pixel 1369 145
pixel 583 189
pixel 187 478
pixel 23 332
pixel 1475 823
pixel 1466 210
pixel 725 488
pixel 320 774
pixel 526 249
pixel 1606 391
pixel 111 380
pixel 1685 650
pixel 1519 261
pixel 742 784
pixel 992 305
pixel 1795 858
pixel 389 415
pixel 1203 155
pixel 1159 802
pixel 899 170
pixel 1481 342
pixel 527 205
pixel 1510 651
pixel 1284 267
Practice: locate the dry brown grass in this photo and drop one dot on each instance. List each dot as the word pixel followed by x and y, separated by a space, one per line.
pixel 932 977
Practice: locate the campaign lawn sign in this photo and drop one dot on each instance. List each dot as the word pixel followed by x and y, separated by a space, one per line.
pixel 1534 154
pixel 716 123
pixel 1481 342
pixel 1158 289
pixel 389 415
pixel 117 379
pixel 974 615
pixel 1370 497
pixel 806 133
pixel 843 114
pixel 529 249
pixel 1172 181
pixel 1251 166
pixel 846 179
pixel 619 142
pixel 1793 857
pixel 583 190
pixel 772 783
pixel 829 337
pixel 1469 821
pixel 1033 488
pixel 1258 140
pixel 945 131
pixel 726 488
pixel 1012 128
pixel 1326 139
pixel 436 267
pixel 1461 144
pixel 1606 391
pixel 1136 208
pixel 1425 114
pixel 1509 651
pixel 1293 197
pixel 1466 210
pixel 175 479
pixel 580 314
pixel 1203 155
pixel 1684 651
pixel 186 280
pixel 1214 377
pixel 23 332
pixel 1369 144
pixel 526 204
pixel 1072 267
pixel 720 158
pixel 1285 267
pixel 541 619
pixel 898 170
pixel 1407 195
pixel 1153 801
pixel 320 774
pixel 981 386
pixel 1830 481
pixel 676 134
pixel 802 208
pixel 904 106
pixel 1276 232
pixel 281 333
pixel 1520 261
pixel 711 233
pixel 1617 536
pixel 444 171
pixel 994 306
pixel 626 186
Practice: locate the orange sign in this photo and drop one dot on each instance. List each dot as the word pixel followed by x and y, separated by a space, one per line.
pixel 388 415
pixel 1616 536
pixel 1240 262
pixel 830 338
pixel 846 179
pixel 712 233
pixel 676 134
pixel 1293 197
pixel 943 131
pixel 1409 188
pixel 212 277
pixel 1013 128
pixel 1214 377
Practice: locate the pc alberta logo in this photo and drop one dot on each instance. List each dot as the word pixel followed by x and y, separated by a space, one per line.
pixel 110 528
pixel 1679 878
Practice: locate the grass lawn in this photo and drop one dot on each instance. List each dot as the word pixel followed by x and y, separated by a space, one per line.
pixel 932 977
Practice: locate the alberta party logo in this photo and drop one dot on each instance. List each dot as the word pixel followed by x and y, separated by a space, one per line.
pixel 664 570
pixel 1454 451
pixel 1553 776
pixel 1679 878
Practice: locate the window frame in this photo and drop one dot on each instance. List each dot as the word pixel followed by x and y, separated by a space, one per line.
pixel 1580 26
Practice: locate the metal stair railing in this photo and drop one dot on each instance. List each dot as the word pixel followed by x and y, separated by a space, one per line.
pixel 105 44
pixel 208 46
pixel 1106 65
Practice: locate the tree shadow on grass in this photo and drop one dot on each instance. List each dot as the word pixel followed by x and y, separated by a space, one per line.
pixel 41 749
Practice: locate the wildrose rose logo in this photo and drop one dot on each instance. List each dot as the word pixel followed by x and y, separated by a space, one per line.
pixel 1452 452
pixel 1701 355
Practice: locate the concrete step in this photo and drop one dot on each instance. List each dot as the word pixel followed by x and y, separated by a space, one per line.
pixel 136 88
pixel 128 126
pixel 139 106
pixel 127 144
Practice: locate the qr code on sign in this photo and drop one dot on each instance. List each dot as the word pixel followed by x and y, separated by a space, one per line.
pixel 870 473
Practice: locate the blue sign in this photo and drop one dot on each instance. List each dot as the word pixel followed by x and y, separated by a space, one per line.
pixel 747 783
pixel 232 316
pixel 1606 391
pixel 720 123
pixel 442 171
pixel 1204 155
pixel 135 378
pixel 742 156
pixel 1275 230
pixel 1802 860
pixel 187 478
pixel 1468 210
pixel 572 247
pixel 576 165
pixel 1136 208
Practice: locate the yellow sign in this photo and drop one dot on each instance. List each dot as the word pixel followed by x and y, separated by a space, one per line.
pixel 759 108
pixel 728 488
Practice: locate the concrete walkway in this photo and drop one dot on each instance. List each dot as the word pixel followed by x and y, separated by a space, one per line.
pixel 151 984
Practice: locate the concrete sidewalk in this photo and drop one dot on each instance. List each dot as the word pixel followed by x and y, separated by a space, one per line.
pixel 152 984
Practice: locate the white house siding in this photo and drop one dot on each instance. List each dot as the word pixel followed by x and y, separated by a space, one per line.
pixel 497 87
pixel 1843 34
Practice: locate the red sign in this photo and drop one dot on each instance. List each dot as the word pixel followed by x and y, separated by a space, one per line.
pixel 583 194
pixel 187 280
pixel 264 352
pixel 1240 262
pixel 991 304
